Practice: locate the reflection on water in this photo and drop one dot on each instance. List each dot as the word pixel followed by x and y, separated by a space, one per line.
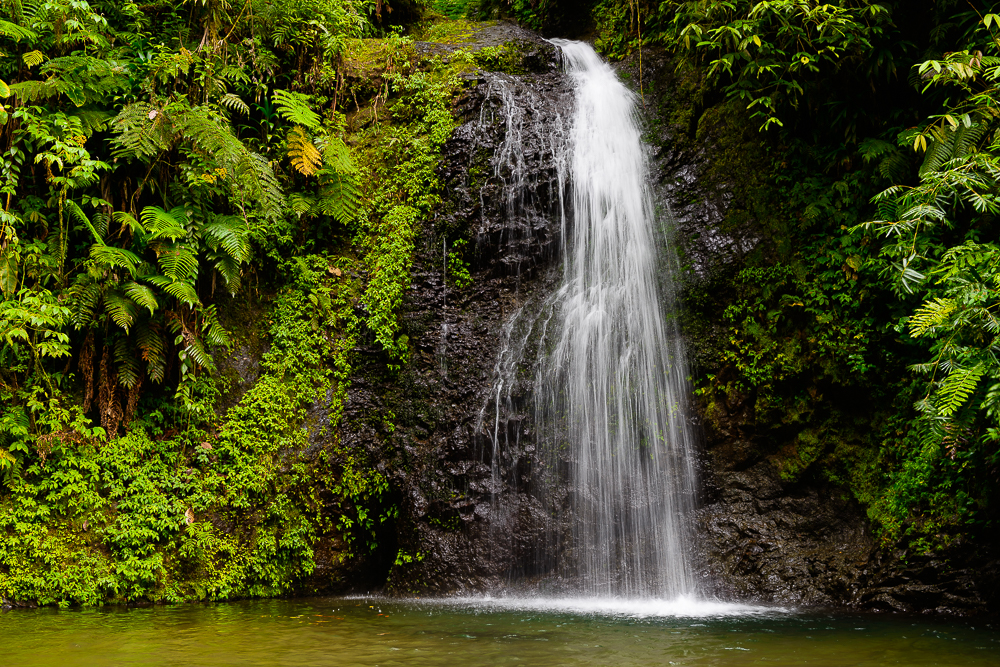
pixel 484 631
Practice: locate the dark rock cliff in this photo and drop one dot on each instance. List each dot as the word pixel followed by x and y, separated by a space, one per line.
pixel 464 465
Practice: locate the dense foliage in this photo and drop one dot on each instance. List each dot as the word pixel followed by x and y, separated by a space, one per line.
pixel 180 180
pixel 183 183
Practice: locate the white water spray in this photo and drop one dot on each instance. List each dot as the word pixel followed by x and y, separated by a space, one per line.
pixel 611 389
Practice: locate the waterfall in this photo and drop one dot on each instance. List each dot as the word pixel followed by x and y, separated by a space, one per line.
pixel 611 387
pixel 597 364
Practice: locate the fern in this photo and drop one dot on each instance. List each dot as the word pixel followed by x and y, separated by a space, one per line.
pixel 127 366
pixel 142 295
pixel 956 389
pixel 116 257
pixel 140 131
pixel 121 309
pixel 163 224
pixel 153 349
pixel 177 261
pixel 17 32
pixel 253 181
pixel 305 157
pixel 949 144
pixel 294 107
pixel 230 233
pixel 234 103
pixel 33 58
pixel 931 316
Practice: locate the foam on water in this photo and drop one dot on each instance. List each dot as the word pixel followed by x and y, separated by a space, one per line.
pixel 679 607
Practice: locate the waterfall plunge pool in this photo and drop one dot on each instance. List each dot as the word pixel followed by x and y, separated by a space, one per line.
pixel 460 632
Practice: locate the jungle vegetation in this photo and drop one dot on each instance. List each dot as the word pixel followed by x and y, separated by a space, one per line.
pixel 172 171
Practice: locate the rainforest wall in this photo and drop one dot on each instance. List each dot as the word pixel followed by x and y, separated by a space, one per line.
pixel 233 231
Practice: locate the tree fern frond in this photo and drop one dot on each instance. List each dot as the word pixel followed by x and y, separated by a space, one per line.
pixel 139 131
pixel 956 388
pixel 164 224
pixel 183 291
pixel 17 32
pixel 932 314
pixel 212 329
pixel 32 58
pixel 153 348
pixel 119 258
pixel 120 308
pixel 177 261
pixel 83 302
pixel 230 233
pixel 305 157
pixel 77 214
pixel 340 198
pixel 233 102
pixel 294 107
pixel 127 365
pixel 253 179
pixel 142 295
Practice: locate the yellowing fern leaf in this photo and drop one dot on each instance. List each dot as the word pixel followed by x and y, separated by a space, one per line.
pixel 305 156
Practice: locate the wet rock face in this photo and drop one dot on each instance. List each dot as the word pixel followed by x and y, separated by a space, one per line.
pixel 761 539
pixel 438 451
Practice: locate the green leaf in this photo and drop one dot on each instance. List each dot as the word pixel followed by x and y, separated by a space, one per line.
pixel 142 295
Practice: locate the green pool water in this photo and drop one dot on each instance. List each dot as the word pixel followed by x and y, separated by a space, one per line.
pixel 459 632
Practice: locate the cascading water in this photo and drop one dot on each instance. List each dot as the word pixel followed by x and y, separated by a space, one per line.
pixel 613 384
pixel 610 388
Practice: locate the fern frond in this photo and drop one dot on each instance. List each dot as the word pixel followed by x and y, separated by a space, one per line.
pixel 177 261
pixel 17 32
pixel 253 181
pixel 932 314
pixel 337 156
pixel 127 220
pixel 183 291
pixel 233 102
pixel 305 157
pixel 153 348
pixel 212 329
pixel 294 107
pixel 120 308
pixel 77 214
pixel 127 365
pixel 300 203
pixel 140 131
pixel 956 388
pixel 340 198
pixel 164 224
pixel 32 58
pixel 83 301
pixel 142 295
pixel 119 258
pixel 230 233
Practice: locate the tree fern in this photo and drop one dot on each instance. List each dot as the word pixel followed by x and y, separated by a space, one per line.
pixel 152 347
pixel 114 257
pixel 120 308
pixel 304 155
pixel 163 224
pixel 139 131
pixel 234 103
pixel 177 261
pixel 141 295
pixel 294 107
pixel 17 32
pixel 956 389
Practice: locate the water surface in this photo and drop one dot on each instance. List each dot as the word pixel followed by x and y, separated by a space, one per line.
pixel 466 632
